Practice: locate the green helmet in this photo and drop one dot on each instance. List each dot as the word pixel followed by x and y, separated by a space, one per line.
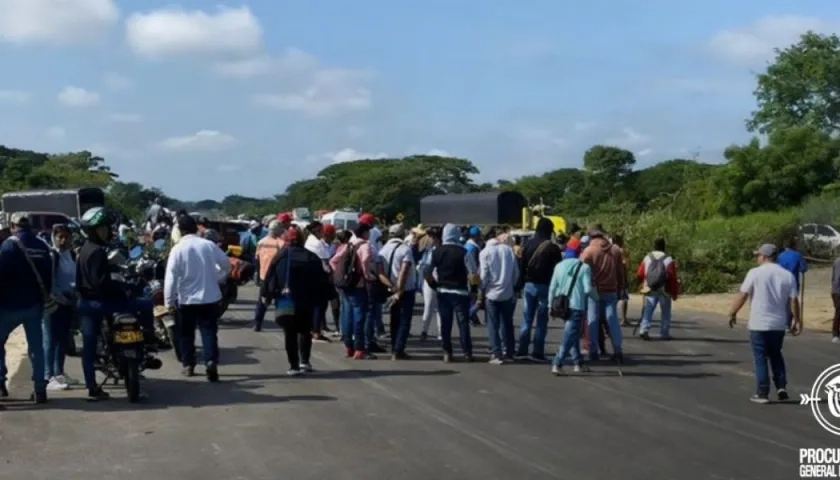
pixel 97 217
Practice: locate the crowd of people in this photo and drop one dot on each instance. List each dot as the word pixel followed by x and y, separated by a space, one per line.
pixel 582 278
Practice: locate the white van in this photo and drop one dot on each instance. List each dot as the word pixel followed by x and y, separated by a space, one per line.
pixel 342 219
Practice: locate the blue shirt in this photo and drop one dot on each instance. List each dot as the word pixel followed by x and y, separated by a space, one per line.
pixel 570 253
pixel 561 281
pixel 793 262
pixel 19 288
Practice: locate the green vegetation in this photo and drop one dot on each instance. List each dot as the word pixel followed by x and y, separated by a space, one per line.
pixel 712 215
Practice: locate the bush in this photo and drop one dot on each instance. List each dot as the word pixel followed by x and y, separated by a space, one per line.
pixel 712 254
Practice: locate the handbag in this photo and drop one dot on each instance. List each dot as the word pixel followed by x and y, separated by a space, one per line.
pixel 49 302
pixel 284 306
pixel 560 307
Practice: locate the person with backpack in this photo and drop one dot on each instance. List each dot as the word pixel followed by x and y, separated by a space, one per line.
pixel 539 257
pixel 660 286
pixel 354 269
pixel 568 294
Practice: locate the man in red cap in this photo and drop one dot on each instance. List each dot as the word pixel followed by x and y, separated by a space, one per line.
pixel 368 219
pixel 285 220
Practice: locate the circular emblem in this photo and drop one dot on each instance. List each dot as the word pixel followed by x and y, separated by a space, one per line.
pixel 827 387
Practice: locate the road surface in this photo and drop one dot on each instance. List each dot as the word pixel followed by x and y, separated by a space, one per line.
pixel 681 411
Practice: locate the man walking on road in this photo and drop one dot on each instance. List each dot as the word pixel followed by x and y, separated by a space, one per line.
pixel 193 271
pixel 660 286
pixel 604 259
pixel 536 266
pixel 499 270
pixel 398 259
pixel 267 249
pixel 794 262
pixel 25 277
pixel 771 289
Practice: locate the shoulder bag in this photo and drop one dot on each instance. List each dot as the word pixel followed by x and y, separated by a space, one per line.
pixel 49 302
pixel 532 262
pixel 560 307
pixel 284 306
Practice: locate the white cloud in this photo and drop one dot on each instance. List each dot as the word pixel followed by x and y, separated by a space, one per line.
pixel 644 152
pixel 125 118
pixel 754 44
pixel 56 132
pixel 436 152
pixel 202 140
pixel 14 97
pixel 330 92
pixel 348 155
pixel 583 127
pixel 117 82
pixel 539 138
pixel 173 31
pixel 291 61
pixel 75 97
pixel 56 22
pixel 630 139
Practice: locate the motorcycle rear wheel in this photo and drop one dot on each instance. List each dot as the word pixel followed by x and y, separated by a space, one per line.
pixel 132 379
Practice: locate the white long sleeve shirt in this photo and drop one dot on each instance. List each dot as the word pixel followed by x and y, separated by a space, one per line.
pixel 192 272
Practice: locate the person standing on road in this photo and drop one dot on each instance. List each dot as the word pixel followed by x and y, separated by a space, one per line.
pixel 191 286
pixel 794 262
pixel 298 285
pixel 398 259
pixel 539 257
pixel 770 289
pixel 358 255
pixel 624 295
pixel 499 271
pixel 344 317
pixel 25 279
pixel 660 286
pixel 450 273
pixel 572 278
pixel 267 249
pixel 604 259
pixel 473 246
pixel 329 238
pixel 57 325
pixel 430 301
pixel 316 244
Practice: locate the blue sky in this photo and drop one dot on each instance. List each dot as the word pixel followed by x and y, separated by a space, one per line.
pixel 204 101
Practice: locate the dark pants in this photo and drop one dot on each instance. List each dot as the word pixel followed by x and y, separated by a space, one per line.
pixel 298 337
pixel 56 339
pixel 454 307
pixel 205 317
pixel 401 313
pixel 259 314
pixel 835 325
pixel 499 318
pixel 92 313
pixel 358 331
pixel 767 347
pixel 335 307
pixel 319 317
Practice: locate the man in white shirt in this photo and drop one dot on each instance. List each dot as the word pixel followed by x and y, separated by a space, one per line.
pixel 192 285
pixel 315 243
pixel 770 289
pixel 499 271
pixel 398 260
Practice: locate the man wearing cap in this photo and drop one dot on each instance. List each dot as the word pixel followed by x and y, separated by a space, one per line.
pixel 25 273
pixel 267 250
pixel 605 260
pixel 772 292
pixel 285 220
pixel 398 260
pixel 499 270
pixel 191 285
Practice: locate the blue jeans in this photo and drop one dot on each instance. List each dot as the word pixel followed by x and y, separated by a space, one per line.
pixel 536 307
pixel 56 336
pixel 92 312
pixel 377 324
pixel 30 318
pixel 499 319
pixel 664 303
pixel 571 339
pixel 608 302
pixel 259 314
pixel 345 318
pixel 767 347
pixel 454 307
pixel 402 312
pixel 357 324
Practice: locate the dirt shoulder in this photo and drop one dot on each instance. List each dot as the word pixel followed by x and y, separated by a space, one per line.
pixel 818 312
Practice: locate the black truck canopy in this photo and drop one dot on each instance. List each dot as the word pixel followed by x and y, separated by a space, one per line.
pixel 70 202
pixel 483 208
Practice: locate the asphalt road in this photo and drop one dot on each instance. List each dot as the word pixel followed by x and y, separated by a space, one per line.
pixel 680 411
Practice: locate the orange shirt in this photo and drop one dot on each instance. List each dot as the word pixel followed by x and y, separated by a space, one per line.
pixel 266 250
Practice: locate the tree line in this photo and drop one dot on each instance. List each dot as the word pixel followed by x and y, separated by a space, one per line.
pixel 798 115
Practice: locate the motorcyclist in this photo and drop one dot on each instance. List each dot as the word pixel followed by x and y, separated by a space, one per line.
pixel 101 295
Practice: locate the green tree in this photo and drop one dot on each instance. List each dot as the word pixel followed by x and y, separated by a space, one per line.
pixel 801 87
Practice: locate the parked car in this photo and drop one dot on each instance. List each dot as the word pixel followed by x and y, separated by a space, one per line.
pixel 820 238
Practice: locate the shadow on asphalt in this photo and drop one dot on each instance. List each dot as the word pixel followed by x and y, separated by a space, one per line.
pixel 354 374
pixel 238 355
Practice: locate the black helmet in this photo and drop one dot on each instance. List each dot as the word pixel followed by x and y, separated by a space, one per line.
pixel 98 217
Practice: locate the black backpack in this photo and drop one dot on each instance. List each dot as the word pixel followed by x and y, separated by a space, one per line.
pixel 349 275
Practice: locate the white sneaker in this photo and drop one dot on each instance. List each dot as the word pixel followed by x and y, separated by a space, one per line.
pixel 835 340
pixel 556 370
pixel 496 361
pixel 306 367
pixel 67 379
pixel 54 385
pixel 293 373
